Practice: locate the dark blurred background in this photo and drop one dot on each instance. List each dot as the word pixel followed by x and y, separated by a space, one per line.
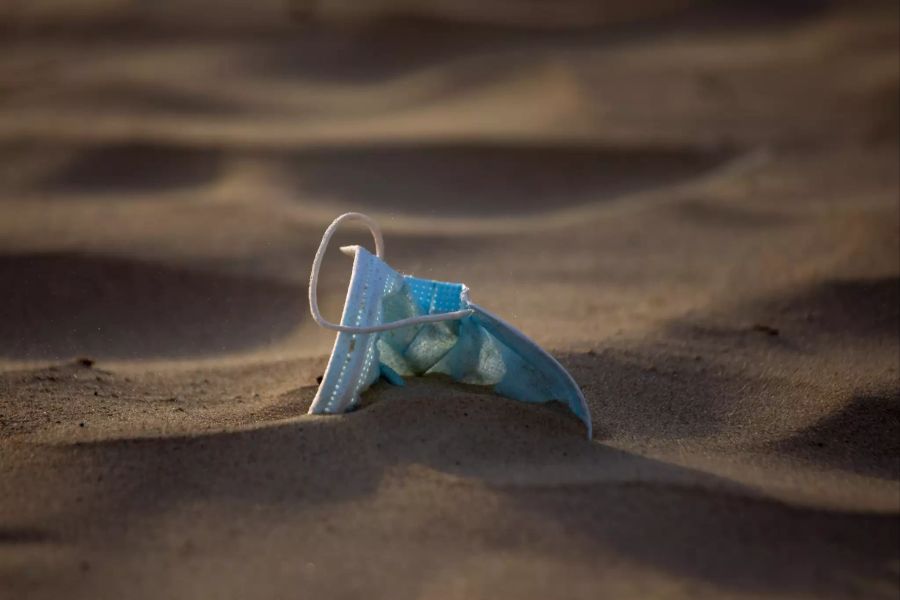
pixel 221 136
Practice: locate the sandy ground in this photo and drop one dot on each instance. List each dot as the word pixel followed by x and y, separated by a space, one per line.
pixel 696 213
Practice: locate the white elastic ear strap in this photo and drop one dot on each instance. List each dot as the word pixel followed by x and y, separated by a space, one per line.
pixel 379 252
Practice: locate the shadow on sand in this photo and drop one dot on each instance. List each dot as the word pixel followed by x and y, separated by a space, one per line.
pixel 59 305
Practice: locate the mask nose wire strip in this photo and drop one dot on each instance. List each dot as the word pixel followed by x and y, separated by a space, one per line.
pixel 379 252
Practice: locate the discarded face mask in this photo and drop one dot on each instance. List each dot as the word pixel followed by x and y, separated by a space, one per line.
pixel 395 326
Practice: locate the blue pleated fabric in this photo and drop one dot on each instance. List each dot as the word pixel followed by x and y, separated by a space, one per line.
pixel 480 349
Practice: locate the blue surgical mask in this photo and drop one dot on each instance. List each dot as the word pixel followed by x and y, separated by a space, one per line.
pixel 396 326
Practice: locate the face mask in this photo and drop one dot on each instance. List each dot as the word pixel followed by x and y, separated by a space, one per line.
pixel 396 326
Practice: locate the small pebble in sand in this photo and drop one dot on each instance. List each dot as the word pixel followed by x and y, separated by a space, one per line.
pixel 767 329
pixel 85 362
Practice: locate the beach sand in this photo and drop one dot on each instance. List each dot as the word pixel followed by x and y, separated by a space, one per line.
pixel 696 212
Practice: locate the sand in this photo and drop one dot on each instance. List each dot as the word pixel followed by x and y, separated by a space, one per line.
pixel 695 211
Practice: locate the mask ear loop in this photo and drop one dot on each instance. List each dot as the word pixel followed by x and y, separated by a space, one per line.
pixel 379 252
